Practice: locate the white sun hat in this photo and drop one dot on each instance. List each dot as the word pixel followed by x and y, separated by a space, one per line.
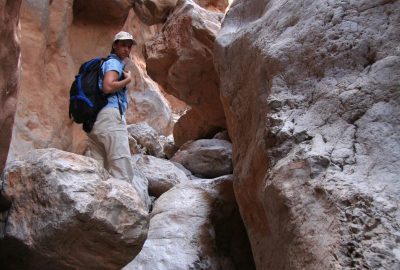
pixel 124 36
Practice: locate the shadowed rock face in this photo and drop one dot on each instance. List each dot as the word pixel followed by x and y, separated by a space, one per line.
pixel 311 95
pixel 9 76
pixel 67 213
pixel 189 230
pixel 180 58
pixel 192 125
pixel 104 12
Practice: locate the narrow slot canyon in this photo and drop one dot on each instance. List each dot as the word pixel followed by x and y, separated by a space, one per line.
pixel 262 134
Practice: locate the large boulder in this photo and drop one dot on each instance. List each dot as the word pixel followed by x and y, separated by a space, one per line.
pixel 208 158
pixel 193 234
pixel 10 74
pixel 161 174
pixel 311 95
pixel 180 58
pixel 146 138
pixel 67 213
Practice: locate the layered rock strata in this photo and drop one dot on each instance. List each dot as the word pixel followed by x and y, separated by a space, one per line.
pixel 311 94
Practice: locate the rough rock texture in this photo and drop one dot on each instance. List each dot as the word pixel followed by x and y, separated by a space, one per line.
pixel 153 11
pixel 311 94
pixel 146 100
pixel 140 183
pixel 186 171
pixel 52 47
pixel 157 11
pixel 180 58
pixel 10 73
pixel 222 135
pixel 161 174
pixel 213 5
pixel 147 138
pixel 68 214
pixel 169 146
pixel 56 37
pixel 206 158
pixel 188 230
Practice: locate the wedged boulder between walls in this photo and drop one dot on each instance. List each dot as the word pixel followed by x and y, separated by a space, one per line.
pixel 180 58
pixel 206 158
pixel 67 213
pixel 153 12
pixel 188 230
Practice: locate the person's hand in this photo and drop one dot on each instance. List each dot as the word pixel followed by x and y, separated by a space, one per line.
pixel 127 75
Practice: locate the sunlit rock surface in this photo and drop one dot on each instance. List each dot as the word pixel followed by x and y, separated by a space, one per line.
pixel 68 214
pixel 157 11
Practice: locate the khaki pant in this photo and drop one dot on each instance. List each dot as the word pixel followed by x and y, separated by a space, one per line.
pixel 108 144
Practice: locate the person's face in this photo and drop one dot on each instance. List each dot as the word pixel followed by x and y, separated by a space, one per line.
pixel 122 48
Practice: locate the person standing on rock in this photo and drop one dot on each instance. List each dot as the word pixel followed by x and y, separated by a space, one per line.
pixel 108 140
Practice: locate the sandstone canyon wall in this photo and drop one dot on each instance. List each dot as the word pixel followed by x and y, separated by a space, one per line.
pixel 10 72
pixel 311 93
pixel 180 58
pixel 57 36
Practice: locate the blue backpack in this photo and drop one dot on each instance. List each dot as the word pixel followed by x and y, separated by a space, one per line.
pixel 86 99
